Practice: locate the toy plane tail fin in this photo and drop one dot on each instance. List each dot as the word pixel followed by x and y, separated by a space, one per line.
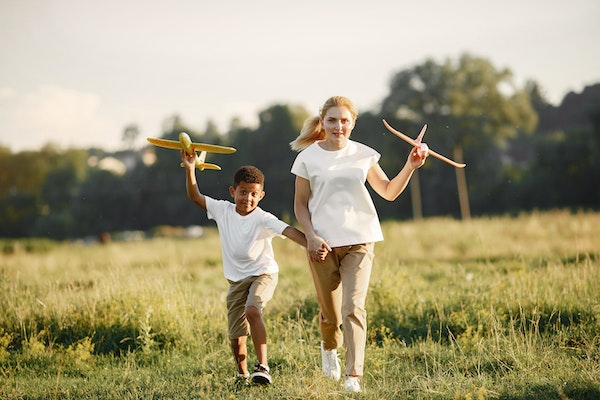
pixel 201 165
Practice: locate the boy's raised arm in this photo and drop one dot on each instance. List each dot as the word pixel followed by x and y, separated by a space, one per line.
pixel 191 185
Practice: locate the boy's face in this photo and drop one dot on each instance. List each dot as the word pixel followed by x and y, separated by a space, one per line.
pixel 246 196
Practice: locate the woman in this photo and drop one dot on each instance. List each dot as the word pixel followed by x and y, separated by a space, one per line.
pixel 333 206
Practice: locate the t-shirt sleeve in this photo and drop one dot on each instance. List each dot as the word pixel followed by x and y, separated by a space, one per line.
pixel 274 224
pixel 376 157
pixel 299 167
pixel 214 208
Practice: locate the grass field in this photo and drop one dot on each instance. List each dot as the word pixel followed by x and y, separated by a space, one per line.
pixel 494 308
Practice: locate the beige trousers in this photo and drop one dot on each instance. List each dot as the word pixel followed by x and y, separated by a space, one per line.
pixel 342 282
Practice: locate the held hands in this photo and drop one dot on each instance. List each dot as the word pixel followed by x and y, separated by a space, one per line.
pixel 322 253
pixel 317 249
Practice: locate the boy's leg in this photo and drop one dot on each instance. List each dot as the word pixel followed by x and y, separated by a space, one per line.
pixel 237 323
pixel 260 293
pixel 259 334
pixel 240 354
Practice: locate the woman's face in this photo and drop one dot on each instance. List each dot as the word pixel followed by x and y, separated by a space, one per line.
pixel 338 124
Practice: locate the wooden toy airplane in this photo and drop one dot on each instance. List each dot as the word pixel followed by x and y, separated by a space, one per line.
pixel 186 144
pixel 422 146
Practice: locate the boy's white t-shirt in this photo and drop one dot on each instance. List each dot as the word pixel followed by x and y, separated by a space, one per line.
pixel 342 211
pixel 245 240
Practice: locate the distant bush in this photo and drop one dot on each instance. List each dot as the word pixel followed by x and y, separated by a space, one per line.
pixel 14 246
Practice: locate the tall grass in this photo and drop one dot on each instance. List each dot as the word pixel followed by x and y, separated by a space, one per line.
pixel 494 308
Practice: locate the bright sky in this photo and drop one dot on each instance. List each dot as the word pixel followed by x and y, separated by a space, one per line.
pixel 76 72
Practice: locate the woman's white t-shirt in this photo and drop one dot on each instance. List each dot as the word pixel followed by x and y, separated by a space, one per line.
pixel 342 211
pixel 245 239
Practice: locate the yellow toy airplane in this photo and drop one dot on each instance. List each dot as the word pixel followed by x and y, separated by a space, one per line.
pixel 422 146
pixel 185 143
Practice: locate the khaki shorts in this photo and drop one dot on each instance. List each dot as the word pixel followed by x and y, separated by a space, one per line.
pixel 253 291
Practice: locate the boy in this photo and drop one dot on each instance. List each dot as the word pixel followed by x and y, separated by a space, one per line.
pixel 249 265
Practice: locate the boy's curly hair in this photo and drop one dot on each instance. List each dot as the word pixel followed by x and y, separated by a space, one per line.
pixel 248 174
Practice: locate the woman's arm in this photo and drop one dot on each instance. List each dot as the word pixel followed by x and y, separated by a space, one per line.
pixel 391 189
pixel 314 243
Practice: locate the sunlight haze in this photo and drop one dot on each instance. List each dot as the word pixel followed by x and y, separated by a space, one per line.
pixel 75 73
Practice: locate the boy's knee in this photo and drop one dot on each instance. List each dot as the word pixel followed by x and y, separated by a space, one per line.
pixel 253 313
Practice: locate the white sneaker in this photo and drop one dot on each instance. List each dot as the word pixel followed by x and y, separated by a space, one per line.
pixel 331 364
pixel 352 384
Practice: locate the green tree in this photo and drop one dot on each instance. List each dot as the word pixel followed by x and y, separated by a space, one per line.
pixel 59 193
pixel 130 135
pixel 106 203
pixel 267 147
pixel 474 103
pixel 23 185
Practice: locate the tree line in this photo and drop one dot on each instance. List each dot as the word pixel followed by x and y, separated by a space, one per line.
pixel 522 153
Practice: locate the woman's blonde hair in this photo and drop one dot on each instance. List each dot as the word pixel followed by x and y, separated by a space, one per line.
pixel 313 129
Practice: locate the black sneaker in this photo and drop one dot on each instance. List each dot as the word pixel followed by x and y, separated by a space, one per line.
pixel 261 375
pixel 242 381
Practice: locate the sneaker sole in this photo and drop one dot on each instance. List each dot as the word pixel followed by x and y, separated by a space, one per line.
pixel 261 380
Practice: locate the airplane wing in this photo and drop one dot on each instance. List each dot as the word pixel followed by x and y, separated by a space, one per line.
pixel 175 144
pixel 413 142
pixel 169 144
pixel 213 148
pixel 203 166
